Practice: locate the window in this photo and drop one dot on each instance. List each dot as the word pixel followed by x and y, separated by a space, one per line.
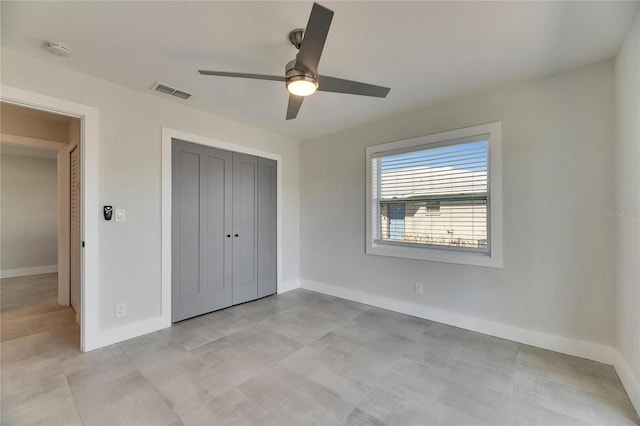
pixel 437 197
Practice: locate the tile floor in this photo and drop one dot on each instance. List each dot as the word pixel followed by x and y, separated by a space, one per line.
pixel 294 359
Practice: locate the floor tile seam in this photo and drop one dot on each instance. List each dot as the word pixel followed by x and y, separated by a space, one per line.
pixel 75 402
pixel 203 344
pixel 368 413
pixel 235 385
pixel 313 382
pixel 157 392
pixel 187 412
pixel 3 361
pixel 561 357
pixel 283 336
pixel 58 350
pixel 513 384
pixel 341 322
pixel 443 375
pixel 126 355
pixel 553 376
pixel 435 399
pixel 447 381
pixel 353 407
pixel 610 401
pixel 377 382
pixel 328 332
pixel 587 419
pixel 20 337
pixel 267 409
pixel 559 413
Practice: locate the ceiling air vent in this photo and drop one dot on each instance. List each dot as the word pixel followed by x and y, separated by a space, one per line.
pixel 170 91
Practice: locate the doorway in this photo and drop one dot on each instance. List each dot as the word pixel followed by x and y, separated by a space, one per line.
pixel 38 262
pixel 91 336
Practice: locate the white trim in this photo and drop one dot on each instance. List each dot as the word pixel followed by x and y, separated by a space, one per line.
pixel 23 272
pixel 116 335
pixel 566 345
pixel 62 186
pixel 89 140
pixel 628 379
pixel 169 134
pixel 288 286
pixel 493 259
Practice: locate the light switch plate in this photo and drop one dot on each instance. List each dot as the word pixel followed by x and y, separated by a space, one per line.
pixel 121 215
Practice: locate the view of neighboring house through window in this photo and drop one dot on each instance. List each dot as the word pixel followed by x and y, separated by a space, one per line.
pixel 435 196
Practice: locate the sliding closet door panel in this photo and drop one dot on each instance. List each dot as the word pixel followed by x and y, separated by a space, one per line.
pixel 218 267
pixel 245 280
pixel 185 274
pixel 267 226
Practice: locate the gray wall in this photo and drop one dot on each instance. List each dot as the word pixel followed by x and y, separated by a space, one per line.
pixel 557 178
pixel 29 212
pixel 130 125
pixel 627 168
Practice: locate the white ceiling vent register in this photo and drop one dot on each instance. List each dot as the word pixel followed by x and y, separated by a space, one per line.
pixel 170 90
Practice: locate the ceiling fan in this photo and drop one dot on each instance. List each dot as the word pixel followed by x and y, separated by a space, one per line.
pixel 301 74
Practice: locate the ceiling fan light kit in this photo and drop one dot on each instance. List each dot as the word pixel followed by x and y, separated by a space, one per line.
pixel 302 85
pixel 298 82
pixel 301 74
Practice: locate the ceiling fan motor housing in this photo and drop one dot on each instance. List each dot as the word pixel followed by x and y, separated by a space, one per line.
pixel 291 71
pixel 293 74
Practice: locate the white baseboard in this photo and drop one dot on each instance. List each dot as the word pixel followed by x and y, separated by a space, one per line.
pixel 288 286
pixel 117 335
pixel 567 345
pixel 23 272
pixel 628 379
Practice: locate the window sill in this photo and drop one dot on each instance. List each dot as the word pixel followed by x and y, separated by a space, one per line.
pixel 493 260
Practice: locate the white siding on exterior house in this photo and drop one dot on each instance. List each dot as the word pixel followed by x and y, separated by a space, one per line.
pixel 442 206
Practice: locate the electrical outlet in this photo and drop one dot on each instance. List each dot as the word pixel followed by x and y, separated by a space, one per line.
pixel 419 289
pixel 121 310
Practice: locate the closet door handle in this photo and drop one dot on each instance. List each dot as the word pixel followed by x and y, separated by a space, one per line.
pixel 228 235
pixel 236 235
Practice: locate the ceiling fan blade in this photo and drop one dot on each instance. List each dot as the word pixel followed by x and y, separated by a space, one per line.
pixel 243 75
pixel 314 37
pixel 339 85
pixel 294 106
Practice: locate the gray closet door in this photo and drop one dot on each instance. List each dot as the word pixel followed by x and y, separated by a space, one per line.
pixel 216 229
pixel 245 259
pixel 201 234
pixel 267 226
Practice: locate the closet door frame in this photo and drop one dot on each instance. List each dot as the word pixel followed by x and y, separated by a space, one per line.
pixel 167 136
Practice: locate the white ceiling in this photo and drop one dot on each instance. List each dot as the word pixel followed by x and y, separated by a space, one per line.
pixel 425 51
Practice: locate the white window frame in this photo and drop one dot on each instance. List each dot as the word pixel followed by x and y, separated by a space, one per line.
pixel 492 258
